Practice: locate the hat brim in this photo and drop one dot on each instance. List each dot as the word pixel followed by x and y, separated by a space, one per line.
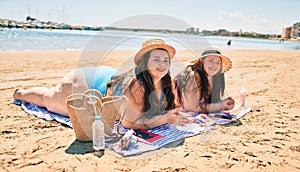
pixel 226 62
pixel 144 50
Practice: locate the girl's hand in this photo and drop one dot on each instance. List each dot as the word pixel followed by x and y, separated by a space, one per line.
pixel 229 103
pixel 184 119
pixel 176 116
pixel 172 115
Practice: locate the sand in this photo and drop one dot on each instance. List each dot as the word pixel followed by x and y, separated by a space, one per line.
pixel 267 139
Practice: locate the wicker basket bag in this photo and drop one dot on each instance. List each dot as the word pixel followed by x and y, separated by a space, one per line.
pixel 83 107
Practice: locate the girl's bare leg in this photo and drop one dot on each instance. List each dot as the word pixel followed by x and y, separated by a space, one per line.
pixel 54 98
pixel 33 95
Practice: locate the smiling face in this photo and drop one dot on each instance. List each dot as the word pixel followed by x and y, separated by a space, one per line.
pixel 158 64
pixel 212 65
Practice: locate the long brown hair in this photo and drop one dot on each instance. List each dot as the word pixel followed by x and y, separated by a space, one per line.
pixel 218 84
pixel 210 95
pixel 152 106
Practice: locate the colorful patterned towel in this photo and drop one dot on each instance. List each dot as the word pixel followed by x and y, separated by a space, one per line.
pixel 172 133
pixel 169 132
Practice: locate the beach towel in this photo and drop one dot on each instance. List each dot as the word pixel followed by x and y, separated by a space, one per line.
pixel 43 113
pixel 166 133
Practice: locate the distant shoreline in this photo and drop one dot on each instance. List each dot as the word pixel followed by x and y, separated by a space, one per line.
pixel 37 39
pixel 163 31
pixel 33 23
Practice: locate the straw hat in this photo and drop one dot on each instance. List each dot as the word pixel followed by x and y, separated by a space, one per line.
pixel 226 62
pixel 154 44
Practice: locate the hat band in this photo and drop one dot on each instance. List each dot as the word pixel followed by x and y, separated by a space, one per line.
pixel 210 52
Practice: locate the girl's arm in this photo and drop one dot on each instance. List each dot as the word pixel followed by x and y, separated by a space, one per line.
pixel 133 115
pixel 191 101
pixel 148 123
pixel 190 95
pixel 226 104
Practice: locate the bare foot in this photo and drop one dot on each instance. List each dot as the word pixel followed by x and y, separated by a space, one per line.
pixel 16 93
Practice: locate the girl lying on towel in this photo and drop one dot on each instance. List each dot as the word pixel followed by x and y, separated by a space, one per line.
pixel 148 88
pixel 200 87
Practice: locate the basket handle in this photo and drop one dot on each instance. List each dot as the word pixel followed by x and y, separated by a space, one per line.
pixel 86 99
pixel 76 95
pixel 94 101
pixel 90 91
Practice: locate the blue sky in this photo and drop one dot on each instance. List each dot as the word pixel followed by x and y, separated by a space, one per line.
pixel 262 16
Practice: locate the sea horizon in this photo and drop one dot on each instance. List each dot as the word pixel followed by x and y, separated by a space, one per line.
pixel 37 39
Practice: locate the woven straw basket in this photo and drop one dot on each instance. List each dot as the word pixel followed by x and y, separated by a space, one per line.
pixel 83 107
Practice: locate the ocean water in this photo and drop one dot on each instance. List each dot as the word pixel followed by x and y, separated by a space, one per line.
pixel 36 39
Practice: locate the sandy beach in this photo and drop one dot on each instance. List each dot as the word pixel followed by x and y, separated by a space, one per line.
pixel 267 139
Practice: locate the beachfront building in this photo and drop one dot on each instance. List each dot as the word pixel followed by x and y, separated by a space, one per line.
pixel 296 31
pixel 286 33
pixel 292 32
pixel 223 32
pixel 192 30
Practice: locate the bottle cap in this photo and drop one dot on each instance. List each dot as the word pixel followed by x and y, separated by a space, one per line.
pixel 243 90
pixel 97 118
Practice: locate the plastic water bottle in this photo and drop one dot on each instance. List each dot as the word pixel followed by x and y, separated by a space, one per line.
pixel 98 134
pixel 243 94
